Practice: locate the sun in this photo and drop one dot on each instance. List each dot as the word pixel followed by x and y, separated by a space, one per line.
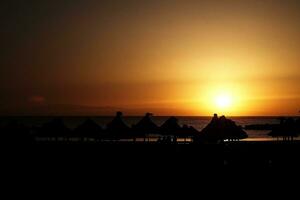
pixel 223 101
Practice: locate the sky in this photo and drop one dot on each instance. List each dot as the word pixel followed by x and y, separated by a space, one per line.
pixel 169 57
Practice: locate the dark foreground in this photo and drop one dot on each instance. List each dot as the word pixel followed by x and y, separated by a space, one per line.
pixel 180 157
pixel 264 154
pixel 147 167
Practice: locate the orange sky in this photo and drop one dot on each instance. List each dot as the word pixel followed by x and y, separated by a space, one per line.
pixel 169 57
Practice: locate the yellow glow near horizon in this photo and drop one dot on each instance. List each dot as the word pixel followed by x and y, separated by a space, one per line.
pixel 223 99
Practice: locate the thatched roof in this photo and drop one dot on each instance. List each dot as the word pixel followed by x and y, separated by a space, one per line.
pixel 145 126
pixel 88 128
pixel 187 131
pixel 117 127
pixel 54 128
pixel 170 127
pixel 222 128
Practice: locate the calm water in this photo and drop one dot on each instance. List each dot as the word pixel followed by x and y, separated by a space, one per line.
pixel 198 122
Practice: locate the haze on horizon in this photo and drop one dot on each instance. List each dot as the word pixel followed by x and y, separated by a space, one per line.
pixel 170 57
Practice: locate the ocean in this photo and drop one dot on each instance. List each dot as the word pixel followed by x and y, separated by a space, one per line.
pixel 197 122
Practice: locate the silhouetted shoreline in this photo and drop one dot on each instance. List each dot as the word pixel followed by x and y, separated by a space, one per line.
pixel 117 130
pixel 219 143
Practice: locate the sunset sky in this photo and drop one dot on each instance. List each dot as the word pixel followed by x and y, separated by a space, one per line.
pixel 170 57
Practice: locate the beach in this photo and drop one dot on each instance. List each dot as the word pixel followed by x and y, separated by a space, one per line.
pixel 55 141
pixel 198 122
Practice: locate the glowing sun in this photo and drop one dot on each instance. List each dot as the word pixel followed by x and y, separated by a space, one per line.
pixel 223 101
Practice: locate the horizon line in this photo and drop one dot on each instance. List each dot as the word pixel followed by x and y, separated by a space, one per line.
pixel 132 115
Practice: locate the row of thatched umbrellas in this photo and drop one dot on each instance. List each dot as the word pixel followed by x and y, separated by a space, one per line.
pixel 217 130
pixel 118 129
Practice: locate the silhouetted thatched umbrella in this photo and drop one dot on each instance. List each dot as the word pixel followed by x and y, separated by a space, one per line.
pixel 220 129
pixel 89 129
pixel 145 127
pixel 287 129
pixel 188 131
pixel 170 127
pixel 54 129
pixel 117 129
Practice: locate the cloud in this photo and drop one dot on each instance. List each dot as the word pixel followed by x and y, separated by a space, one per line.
pixel 37 99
